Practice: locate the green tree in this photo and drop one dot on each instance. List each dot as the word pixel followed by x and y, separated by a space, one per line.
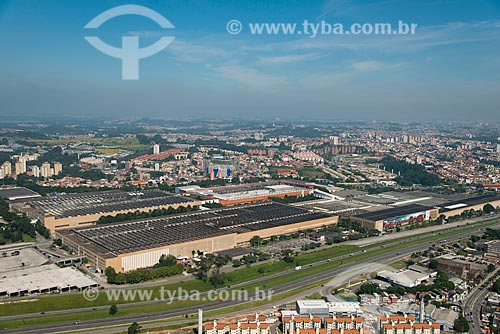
pixel 203 268
pixel 441 219
pixel 442 282
pixel 113 310
pixel 110 274
pixel 120 278
pixel 255 241
pixel 221 260
pixel 461 325
pixel 166 261
pixel 218 279
pixel 287 255
pixel 42 230
pixel 488 208
pixel 496 286
pixel 369 288
pixel 134 328
pixel 433 264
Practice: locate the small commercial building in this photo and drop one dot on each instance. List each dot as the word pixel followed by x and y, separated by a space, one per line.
pixel 345 309
pixel 494 247
pixel 405 278
pixel 315 307
pixel 452 266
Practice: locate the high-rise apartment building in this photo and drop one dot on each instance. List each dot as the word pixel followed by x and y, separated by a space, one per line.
pixel 45 170
pixel 156 149
pixel 57 168
pixel 20 167
pixel 35 171
pixel 7 168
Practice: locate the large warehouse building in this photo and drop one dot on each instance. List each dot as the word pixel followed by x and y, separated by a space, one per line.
pixel 396 216
pixel 17 193
pixel 137 244
pixel 77 210
pixel 248 193
pixel 474 203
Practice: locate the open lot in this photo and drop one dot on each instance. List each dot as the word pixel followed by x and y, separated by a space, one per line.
pixel 27 258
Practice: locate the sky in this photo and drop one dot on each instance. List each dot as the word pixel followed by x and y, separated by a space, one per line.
pixel 448 70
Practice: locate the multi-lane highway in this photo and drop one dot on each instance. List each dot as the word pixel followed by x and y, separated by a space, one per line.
pixel 474 301
pixel 389 256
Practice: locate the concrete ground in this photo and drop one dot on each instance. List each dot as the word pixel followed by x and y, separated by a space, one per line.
pixel 28 256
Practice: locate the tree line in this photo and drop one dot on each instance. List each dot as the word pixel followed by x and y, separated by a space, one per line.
pixel 293 199
pixel 19 226
pixel 166 266
pixel 121 217
pixel 410 174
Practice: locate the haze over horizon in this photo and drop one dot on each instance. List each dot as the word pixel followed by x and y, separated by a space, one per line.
pixel 448 70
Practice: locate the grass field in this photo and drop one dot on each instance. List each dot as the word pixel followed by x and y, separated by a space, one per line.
pixel 247 274
pixel 398 264
pixel 311 173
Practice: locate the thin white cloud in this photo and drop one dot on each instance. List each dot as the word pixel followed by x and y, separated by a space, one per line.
pixel 350 7
pixel 374 65
pixel 195 53
pixel 334 6
pixel 288 59
pixel 322 80
pixel 369 65
pixel 248 76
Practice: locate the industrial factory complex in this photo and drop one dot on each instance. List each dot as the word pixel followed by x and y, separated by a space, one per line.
pixel 77 210
pixel 390 210
pixel 136 244
pixel 247 193
pixel 248 211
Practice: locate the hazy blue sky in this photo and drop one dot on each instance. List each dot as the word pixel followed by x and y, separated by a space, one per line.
pixel 450 69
